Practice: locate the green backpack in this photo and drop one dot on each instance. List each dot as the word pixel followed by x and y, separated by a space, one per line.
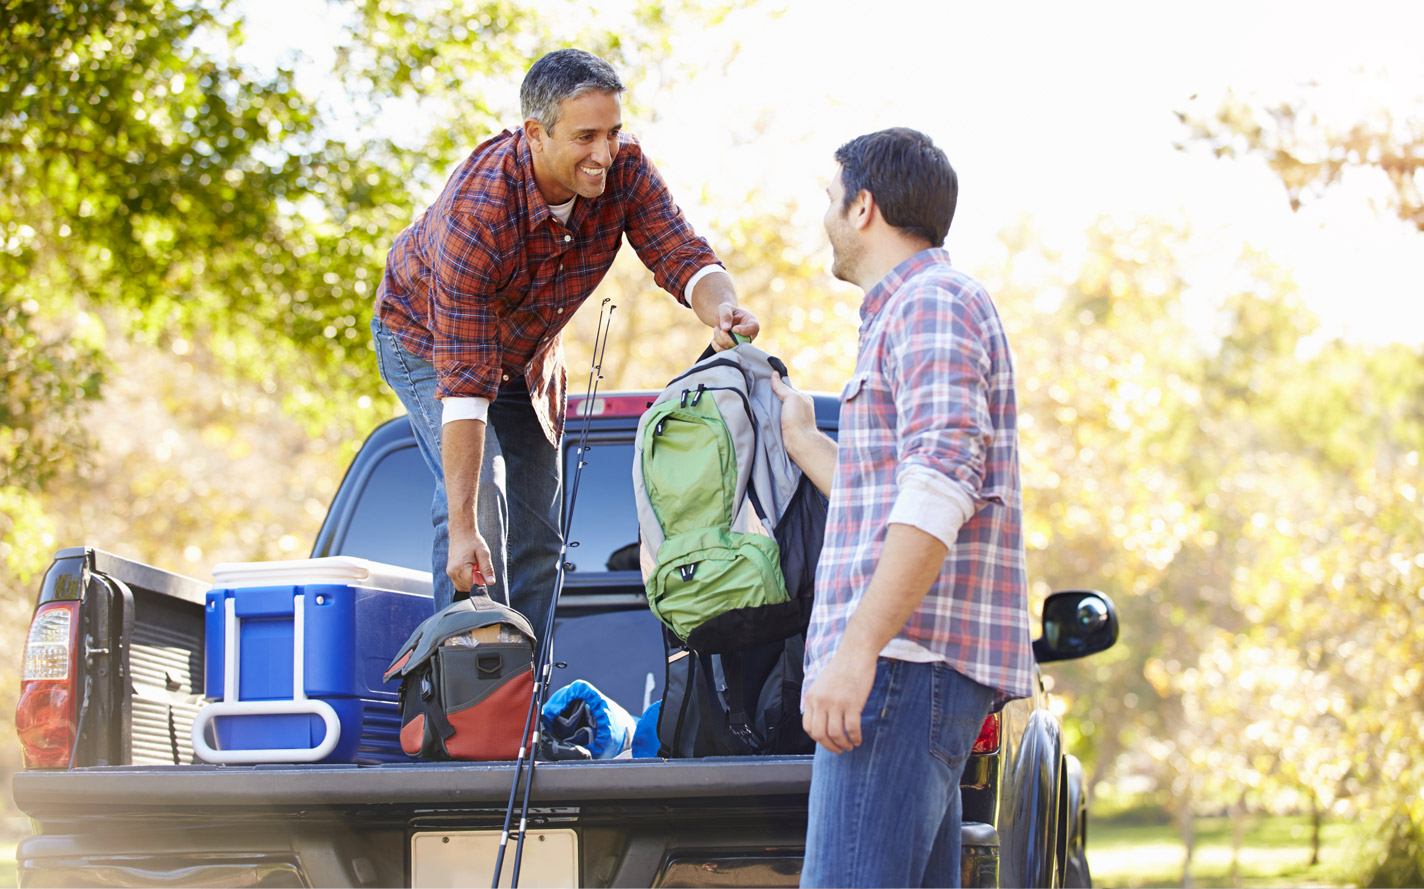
pixel 730 528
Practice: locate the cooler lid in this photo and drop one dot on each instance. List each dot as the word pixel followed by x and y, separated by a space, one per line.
pixel 332 569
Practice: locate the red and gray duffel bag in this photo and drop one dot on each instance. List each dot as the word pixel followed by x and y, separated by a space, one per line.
pixel 467 674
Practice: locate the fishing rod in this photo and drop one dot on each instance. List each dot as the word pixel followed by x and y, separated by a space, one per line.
pixel 544 659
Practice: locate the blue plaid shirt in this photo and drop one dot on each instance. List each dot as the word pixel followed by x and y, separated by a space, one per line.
pixel 933 391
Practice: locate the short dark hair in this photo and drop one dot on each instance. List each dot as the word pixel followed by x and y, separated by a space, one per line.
pixel 563 74
pixel 909 176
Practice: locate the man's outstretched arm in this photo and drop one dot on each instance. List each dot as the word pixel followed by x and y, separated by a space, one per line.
pixel 714 300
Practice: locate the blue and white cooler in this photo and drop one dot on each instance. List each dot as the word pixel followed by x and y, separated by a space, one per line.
pixel 295 653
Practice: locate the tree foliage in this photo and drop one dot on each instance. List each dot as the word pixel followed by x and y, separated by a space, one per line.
pixel 1252 507
pixel 1332 579
pixel 1311 150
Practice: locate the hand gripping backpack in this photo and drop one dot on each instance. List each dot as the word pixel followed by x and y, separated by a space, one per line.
pixel 730 528
pixel 467 675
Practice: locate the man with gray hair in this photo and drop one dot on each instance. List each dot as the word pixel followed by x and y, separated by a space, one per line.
pixel 476 291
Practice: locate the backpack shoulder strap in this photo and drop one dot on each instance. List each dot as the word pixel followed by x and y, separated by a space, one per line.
pixel 736 704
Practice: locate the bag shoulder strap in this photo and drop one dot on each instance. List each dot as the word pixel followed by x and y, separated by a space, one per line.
pixel 736 705
pixel 460 616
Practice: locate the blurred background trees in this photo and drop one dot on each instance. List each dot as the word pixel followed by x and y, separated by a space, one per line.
pixel 189 247
pixel 1332 586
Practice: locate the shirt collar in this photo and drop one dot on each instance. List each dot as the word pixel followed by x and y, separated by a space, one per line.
pixel 880 294
pixel 537 209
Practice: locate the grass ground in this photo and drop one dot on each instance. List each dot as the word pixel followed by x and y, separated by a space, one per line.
pixel 1142 849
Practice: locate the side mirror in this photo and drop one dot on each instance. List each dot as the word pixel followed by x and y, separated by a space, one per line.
pixel 1076 623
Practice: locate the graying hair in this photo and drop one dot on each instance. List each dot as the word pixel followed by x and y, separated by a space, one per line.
pixel 563 74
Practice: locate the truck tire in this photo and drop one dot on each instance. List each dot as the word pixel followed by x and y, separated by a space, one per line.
pixel 1075 864
pixel 1077 876
pixel 1029 823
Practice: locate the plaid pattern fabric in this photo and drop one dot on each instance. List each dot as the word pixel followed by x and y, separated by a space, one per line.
pixel 933 388
pixel 482 283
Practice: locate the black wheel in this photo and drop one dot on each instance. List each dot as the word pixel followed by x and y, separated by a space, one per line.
pixel 1076 875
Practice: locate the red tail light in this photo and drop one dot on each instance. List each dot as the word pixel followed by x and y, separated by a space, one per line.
pixel 988 740
pixel 45 716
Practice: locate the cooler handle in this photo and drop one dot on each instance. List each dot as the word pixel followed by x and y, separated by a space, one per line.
pixel 231 706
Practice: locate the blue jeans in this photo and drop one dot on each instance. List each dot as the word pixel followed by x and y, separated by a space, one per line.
pixel 520 498
pixel 888 812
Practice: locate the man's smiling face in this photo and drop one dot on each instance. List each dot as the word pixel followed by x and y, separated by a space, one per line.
pixel 573 157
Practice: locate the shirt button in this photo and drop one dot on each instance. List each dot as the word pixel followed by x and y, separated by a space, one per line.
pixel 559 311
pixel 568 238
pixel 506 376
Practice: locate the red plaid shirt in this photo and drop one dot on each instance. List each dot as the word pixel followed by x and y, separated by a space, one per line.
pixel 482 283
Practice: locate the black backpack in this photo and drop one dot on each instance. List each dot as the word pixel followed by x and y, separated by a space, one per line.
pixel 740 703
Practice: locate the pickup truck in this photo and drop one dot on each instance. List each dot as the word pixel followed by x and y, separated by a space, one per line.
pixel 117 797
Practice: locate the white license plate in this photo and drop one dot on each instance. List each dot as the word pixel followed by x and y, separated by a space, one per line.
pixel 462 858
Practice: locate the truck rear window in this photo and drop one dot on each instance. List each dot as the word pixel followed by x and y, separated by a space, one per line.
pixel 605 523
pixel 390 522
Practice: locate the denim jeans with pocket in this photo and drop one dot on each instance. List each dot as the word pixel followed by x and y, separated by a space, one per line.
pixel 520 496
pixel 888 812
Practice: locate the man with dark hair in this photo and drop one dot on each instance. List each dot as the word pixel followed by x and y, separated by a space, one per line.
pixel 476 291
pixel 920 624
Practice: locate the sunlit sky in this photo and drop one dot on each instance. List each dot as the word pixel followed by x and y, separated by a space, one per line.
pixel 1062 112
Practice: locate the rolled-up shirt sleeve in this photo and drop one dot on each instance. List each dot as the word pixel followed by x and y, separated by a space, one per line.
pixel 463 265
pixel 938 366
pixel 692 282
pixel 457 407
pixel 661 235
pixel 930 502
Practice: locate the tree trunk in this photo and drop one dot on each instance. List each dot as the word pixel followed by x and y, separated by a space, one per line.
pixel 1103 757
pixel 1314 829
pixel 1238 825
pixel 1187 825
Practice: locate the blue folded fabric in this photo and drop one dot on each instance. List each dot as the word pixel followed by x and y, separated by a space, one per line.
pixel 645 736
pixel 580 714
